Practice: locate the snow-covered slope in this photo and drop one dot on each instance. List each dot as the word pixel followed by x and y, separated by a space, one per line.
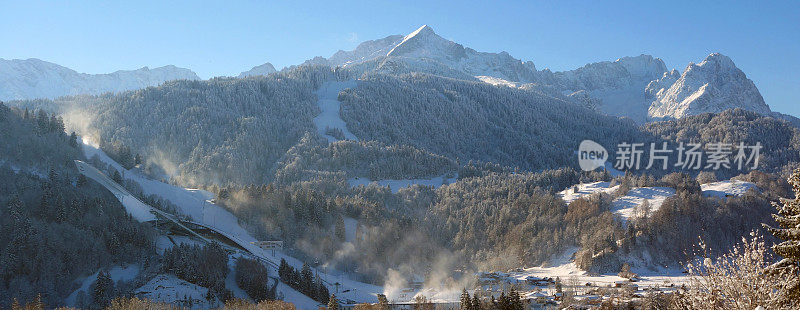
pixel 195 205
pixel 617 86
pixel 424 43
pixel 329 105
pixel 714 85
pixel 629 206
pixel 264 69
pixel 726 188
pixel 365 51
pixel 168 288
pixel 425 51
pixel 34 78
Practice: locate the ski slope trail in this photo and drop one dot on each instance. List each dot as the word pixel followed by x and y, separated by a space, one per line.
pixel 198 208
pixel 329 105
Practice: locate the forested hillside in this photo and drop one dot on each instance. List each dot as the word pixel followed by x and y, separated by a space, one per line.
pixel 779 139
pixel 313 158
pixel 477 121
pixel 55 226
pixel 204 132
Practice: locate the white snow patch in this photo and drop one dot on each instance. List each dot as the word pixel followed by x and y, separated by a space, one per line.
pixel 496 81
pixel 170 289
pixel 625 206
pixel 583 190
pixel 726 188
pixel 329 104
pixel 563 266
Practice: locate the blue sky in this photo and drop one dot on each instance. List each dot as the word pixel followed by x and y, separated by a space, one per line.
pixel 227 37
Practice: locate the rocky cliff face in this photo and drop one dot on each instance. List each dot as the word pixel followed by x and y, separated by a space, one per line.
pixel 714 85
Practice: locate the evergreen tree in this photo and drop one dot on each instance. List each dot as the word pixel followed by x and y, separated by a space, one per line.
pixel 73 139
pixel 306 280
pixel 81 181
pixel 103 288
pixel 466 302
pixel 515 300
pixel 333 303
pixel 476 303
pixel 116 177
pixel 788 219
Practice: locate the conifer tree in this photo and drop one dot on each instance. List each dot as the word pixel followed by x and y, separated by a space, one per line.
pixel 103 288
pixel 788 219
pixel 466 302
pixel 333 303
pixel 476 302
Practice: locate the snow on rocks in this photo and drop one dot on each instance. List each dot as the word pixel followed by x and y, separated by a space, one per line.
pixel 626 206
pixel 329 105
pixel 714 85
pixel 728 188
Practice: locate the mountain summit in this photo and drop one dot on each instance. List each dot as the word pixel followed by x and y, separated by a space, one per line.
pixel 425 43
pixel 264 69
pixel 714 85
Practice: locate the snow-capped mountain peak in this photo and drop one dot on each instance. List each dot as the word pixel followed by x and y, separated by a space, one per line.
pixel 643 66
pixel 713 85
pixel 425 43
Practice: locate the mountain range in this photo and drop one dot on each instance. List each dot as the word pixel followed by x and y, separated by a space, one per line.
pixel 34 78
pixel 641 87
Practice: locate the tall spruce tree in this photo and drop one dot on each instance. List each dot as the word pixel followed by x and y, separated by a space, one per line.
pixel 476 302
pixel 466 302
pixel 788 219
pixel 333 303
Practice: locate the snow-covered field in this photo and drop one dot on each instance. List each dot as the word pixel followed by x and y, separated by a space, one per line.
pixel 396 185
pixel 726 188
pixel 625 206
pixel 329 104
pixel 563 267
pixel 587 189
pixel 168 288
